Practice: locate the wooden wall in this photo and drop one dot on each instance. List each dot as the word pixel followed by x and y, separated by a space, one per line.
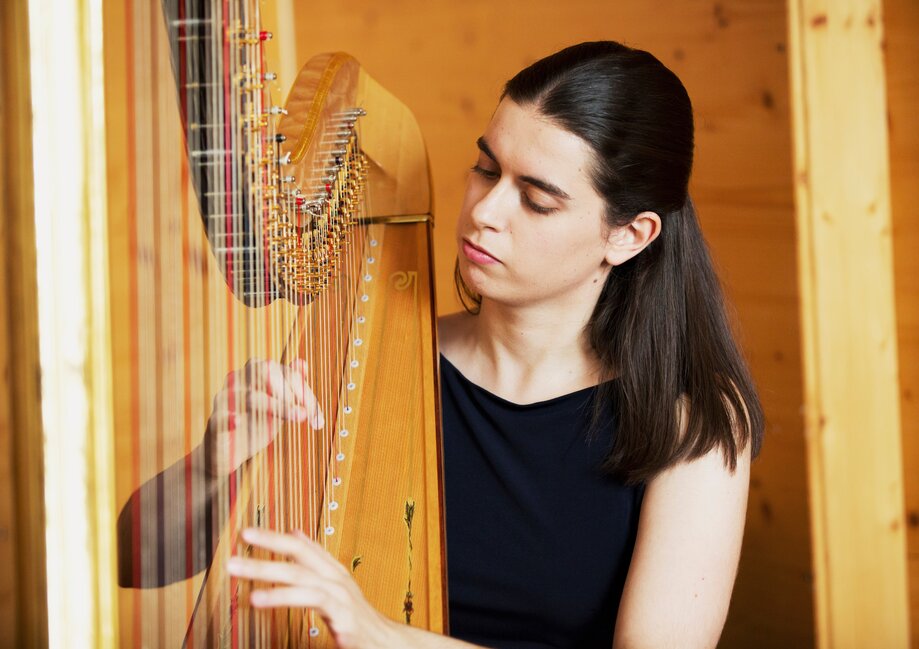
pixel 848 322
pixel 901 22
pixel 448 61
pixel 23 605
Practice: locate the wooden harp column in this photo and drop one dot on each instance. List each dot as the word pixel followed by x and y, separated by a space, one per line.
pixel 184 318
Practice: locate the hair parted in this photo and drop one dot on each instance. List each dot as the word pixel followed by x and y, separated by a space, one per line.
pixel 660 324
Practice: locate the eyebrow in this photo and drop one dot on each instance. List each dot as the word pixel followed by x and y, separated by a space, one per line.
pixel 545 186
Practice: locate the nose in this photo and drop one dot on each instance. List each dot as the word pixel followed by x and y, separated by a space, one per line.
pixel 488 207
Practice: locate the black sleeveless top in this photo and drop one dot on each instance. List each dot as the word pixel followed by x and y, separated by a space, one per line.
pixel 538 539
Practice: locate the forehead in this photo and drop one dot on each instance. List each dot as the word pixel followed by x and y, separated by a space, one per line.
pixel 527 143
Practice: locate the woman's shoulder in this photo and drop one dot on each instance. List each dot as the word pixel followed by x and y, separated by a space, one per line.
pixel 454 334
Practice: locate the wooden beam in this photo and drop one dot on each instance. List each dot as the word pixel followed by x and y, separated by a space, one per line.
pixel 849 334
pixel 901 25
pixel 23 608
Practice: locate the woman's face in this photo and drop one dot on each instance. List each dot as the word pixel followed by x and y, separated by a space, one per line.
pixel 531 228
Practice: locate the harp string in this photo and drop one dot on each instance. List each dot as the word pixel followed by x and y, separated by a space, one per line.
pixel 175 379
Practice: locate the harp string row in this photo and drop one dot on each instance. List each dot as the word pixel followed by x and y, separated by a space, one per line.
pixel 258 251
pixel 274 234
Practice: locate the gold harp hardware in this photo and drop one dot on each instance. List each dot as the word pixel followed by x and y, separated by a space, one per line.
pixel 395 220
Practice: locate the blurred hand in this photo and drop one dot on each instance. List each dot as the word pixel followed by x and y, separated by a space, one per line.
pixel 312 578
pixel 252 407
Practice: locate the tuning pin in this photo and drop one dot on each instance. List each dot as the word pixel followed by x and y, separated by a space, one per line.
pixel 277 110
pixel 265 36
pixel 269 76
pixel 280 137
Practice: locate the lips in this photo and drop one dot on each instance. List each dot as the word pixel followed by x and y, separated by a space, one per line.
pixel 478 254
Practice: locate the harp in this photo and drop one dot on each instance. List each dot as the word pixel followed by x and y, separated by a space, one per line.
pixel 243 230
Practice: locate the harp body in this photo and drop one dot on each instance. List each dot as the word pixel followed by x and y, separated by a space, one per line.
pixel 188 308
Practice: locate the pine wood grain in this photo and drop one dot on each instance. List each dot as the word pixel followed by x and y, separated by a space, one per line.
pixel 901 24
pixel 23 596
pixel 849 328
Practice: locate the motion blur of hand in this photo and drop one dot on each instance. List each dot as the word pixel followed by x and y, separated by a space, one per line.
pixel 255 403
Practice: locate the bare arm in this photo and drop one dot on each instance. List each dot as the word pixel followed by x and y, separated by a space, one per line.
pixel 685 559
pixel 152 531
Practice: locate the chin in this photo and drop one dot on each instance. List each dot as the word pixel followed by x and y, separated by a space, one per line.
pixel 472 276
pixel 488 287
pixel 479 282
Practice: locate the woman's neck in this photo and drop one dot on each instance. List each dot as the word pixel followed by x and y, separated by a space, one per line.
pixel 527 354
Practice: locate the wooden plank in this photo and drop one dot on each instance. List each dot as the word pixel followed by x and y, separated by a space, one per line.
pixel 901 25
pixel 101 510
pixel 23 608
pixel 848 322
pixel 9 605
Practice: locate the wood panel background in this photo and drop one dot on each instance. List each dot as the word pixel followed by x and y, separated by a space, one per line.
pixel 23 605
pixel 848 319
pixel 448 61
pixel 901 23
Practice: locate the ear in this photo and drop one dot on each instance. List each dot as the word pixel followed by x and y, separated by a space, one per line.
pixel 624 242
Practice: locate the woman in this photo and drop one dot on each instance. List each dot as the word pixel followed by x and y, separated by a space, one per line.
pixel 594 377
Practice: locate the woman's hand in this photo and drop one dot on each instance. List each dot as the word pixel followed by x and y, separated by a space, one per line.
pixel 252 407
pixel 313 578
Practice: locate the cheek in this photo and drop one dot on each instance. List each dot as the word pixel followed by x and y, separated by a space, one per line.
pixel 569 249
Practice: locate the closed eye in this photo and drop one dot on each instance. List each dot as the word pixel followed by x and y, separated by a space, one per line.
pixel 488 174
pixel 539 209
pixel 485 173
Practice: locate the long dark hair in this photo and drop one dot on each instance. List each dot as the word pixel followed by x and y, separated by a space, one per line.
pixel 660 321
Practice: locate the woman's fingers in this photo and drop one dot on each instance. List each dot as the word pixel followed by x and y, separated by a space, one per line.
pixel 248 412
pixel 254 403
pixel 314 579
pixel 267 404
pixel 287 385
pixel 278 385
pixel 296 379
pixel 297 376
pixel 301 549
pixel 275 572
pixel 290 596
